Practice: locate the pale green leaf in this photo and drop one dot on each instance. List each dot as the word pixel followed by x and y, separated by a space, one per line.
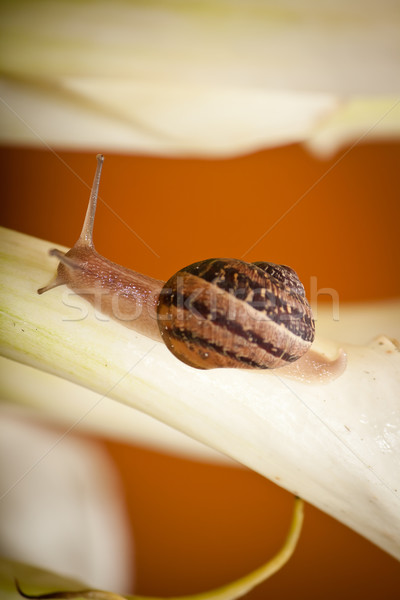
pixel 199 77
pixel 37 580
pixel 10 572
pixel 335 444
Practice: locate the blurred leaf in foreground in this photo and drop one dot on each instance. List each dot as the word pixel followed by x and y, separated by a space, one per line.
pixel 198 78
pixel 12 574
pixel 336 445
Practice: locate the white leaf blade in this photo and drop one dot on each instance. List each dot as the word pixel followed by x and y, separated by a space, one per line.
pixel 205 79
pixel 293 433
pixel 45 396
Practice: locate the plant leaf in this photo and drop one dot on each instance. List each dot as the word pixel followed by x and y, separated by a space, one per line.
pixel 200 78
pixel 337 445
pixel 37 580
pixel 11 571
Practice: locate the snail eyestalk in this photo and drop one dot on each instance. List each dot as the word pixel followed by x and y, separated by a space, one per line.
pixel 86 236
pixel 212 314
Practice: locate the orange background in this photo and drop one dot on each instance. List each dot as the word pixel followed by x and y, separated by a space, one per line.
pixel 196 525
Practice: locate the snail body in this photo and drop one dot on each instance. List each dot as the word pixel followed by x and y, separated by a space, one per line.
pixel 114 290
pixel 212 314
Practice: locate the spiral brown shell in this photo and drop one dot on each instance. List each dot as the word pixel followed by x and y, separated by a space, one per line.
pixel 229 313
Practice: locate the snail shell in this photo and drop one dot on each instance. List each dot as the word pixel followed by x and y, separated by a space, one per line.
pixel 213 313
pixel 229 313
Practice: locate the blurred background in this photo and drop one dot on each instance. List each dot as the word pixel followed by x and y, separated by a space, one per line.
pixel 255 130
pixel 197 525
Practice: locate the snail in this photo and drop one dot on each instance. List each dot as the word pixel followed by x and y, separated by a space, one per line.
pixel 211 314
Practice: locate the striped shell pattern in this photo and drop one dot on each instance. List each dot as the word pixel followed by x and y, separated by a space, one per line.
pixel 229 313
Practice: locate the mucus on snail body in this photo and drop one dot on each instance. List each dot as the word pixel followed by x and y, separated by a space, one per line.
pixel 214 313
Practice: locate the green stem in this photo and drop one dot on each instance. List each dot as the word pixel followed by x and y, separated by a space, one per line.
pixel 231 591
